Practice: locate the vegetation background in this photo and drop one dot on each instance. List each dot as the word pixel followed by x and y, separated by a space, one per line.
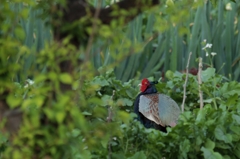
pixel 69 74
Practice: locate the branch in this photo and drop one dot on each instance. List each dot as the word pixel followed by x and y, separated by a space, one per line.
pixel 200 66
pixel 77 9
pixel 13 116
pixel 134 7
pixel 185 84
pixel 94 28
pixel 109 119
pixel 110 113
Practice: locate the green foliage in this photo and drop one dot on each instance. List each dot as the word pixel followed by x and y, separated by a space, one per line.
pixel 168 34
pixel 3 143
pixel 208 133
pixel 83 132
pixel 73 123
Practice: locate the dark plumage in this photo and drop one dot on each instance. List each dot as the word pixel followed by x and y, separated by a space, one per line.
pixel 158 110
pixel 150 89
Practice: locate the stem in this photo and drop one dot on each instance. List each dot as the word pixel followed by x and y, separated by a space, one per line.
pixel 200 82
pixel 185 84
pixel 110 113
pixel 109 119
pixel 214 94
pixel 94 29
pixel 220 68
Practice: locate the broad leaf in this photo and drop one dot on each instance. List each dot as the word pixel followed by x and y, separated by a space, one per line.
pixel 210 154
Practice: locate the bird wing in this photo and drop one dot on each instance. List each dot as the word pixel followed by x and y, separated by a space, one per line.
pixel 148 106
pixel 159 108
pixel 169 110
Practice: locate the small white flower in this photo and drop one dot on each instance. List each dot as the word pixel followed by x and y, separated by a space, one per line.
pixel 208 45
pixel 213 53
pixel 229 6
pixel 83 140
pixel 29 83
pixel 207 54
pixel 205 40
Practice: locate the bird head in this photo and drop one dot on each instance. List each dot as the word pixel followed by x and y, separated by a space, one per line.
pixel 145 84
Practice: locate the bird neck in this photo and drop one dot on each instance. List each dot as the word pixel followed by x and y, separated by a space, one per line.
pixel 150 90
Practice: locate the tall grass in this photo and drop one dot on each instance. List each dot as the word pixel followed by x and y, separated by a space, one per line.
pixel 144 54
pixel 169 50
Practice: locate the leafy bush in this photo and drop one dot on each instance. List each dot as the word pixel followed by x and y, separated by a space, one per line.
pixel 93 118
pixel 212 132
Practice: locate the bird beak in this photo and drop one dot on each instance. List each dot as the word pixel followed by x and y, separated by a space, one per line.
pixel 139 84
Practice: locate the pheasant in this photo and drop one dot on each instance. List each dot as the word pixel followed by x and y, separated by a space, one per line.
pixel 155 110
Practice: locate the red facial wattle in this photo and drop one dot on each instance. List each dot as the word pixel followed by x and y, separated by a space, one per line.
pixel 144 85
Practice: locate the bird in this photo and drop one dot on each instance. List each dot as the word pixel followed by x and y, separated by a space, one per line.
pixel 155 110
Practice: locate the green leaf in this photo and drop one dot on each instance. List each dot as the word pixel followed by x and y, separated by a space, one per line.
pixel 124 102
pixel 13 101
pixel 49 113
pixel 185 147
pixel 226 157
pixel 209 144
pixel 130 93
pixel 100 81
pixel 210 100
pixel 25 13
pixel 60 116
pixel 19 32
pixel 198 141
pixel 220 135
pixel 106 100
pixel 223 145
pixel 236 118
pixel 207 74
pixel 231 93
pixel 65 78
pixel 38 101
pixel 118 155
pixel 169 74
pixel 231 99
pixel 76 132
pixel 237 151
pixel 105 31
pixel 3 139
pixel 201 115
pixel 138 155
pixel 210 154
pixel 53 76
pixel 235 129
pixel 105 142
pixel 185 116
pixel 86 113
pixel 94 100
pixel 125 117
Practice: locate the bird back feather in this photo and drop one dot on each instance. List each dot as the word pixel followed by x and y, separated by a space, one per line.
pixel 159 108
pixel 168 110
